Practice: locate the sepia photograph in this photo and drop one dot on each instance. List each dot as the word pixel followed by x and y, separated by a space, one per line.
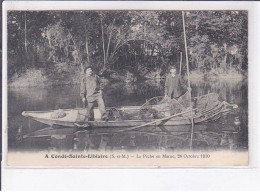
pixel 127 88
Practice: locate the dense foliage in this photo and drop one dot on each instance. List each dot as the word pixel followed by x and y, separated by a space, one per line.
pixel 118 41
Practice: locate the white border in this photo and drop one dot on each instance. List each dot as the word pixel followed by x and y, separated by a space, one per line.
pixel 126 5
pixel 149 178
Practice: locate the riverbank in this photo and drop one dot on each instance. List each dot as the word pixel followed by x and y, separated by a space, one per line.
pixel 64 74
pixel 58 74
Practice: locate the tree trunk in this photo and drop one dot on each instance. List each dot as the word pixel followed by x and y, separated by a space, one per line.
pixel 225 62
pixel 86 44
pixel 25 34
pixel 25 40
pixel 78 50
pixel 145 45
pixel 108 44
pixel 103 41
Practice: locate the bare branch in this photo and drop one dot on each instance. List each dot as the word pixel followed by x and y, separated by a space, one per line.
pixel 123 43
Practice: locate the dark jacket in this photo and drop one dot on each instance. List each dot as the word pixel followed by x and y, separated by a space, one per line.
pixel 90 87
pixel 174 86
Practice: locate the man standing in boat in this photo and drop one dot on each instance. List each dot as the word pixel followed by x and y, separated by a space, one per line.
pixel 91 91
pixel 174 85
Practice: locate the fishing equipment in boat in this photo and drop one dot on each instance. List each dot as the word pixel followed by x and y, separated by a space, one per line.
pixel 204 109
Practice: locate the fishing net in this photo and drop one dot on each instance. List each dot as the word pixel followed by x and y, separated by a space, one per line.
pixel 82 115
pixel 157 108
pixel 160 107
pixel 114 114
pixel 130 115
pixel 184 100
pixel 206 102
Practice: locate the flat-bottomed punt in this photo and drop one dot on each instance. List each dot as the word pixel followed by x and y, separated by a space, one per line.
pixel 129 116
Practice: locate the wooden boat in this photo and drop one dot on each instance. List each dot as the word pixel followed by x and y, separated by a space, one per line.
pixel 77 117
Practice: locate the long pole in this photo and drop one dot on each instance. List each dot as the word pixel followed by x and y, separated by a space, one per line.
pixel 180 62
pixel 186 52
pixel 188 71
pixel 158 120
pixel 25 34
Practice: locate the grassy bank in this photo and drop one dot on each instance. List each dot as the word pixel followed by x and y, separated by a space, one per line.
pixel 64 74
pixel 31 78
pixel 217 75
pixel 58 74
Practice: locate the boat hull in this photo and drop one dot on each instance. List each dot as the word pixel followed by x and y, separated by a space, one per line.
pixel 211 114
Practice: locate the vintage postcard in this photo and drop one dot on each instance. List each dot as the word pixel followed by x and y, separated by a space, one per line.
pixel 132 87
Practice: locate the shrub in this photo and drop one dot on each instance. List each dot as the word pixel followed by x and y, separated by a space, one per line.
pixel 31 78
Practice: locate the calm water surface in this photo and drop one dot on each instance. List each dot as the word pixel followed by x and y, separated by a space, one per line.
pixel 217 135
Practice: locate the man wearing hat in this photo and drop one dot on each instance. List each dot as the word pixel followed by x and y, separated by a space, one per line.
pixel 91 91
pixel 174 85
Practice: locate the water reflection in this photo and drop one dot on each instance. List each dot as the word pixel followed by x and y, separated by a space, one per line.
pixel 222 134
pixel 148 138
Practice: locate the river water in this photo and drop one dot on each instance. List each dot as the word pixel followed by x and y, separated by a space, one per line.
pixel 218 135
